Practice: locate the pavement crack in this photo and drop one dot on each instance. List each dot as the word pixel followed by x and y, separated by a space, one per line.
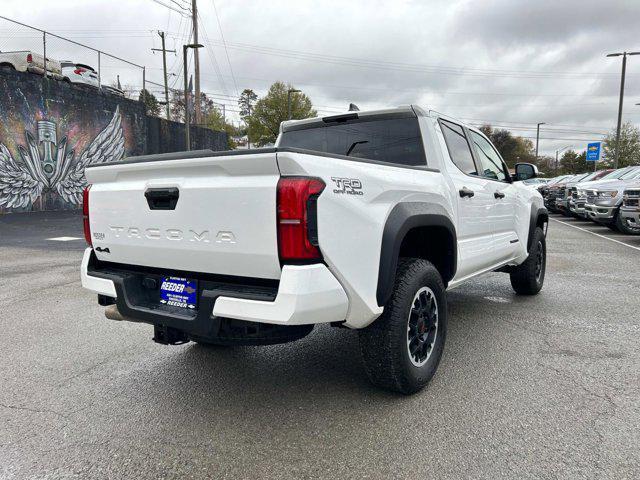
pixel 33 410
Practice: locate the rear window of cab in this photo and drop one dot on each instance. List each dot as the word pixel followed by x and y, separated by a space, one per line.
pixel 393 140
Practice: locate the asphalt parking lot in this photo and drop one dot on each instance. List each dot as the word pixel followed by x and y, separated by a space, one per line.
pixel 543 387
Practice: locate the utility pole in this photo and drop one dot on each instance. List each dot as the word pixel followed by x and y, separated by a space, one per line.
pixel 164 69
pixel 196 60
pixel 194 46
pixel 624 69
pixel 538 137
pixel 558 151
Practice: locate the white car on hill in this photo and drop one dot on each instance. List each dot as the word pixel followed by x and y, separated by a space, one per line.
pixel 79 73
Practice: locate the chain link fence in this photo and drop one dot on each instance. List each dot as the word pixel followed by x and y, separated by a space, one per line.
pixel 24 47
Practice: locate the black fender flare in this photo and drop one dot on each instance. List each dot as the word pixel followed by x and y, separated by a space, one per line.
pixel 536 213
pixel 402 218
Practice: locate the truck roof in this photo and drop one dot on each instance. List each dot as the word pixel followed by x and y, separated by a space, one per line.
pixel 400 111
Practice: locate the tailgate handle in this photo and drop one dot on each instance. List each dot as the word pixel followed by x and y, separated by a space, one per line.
pixel 162 198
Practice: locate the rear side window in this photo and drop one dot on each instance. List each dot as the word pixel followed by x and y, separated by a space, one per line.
pixel 458 147
pixel 394 140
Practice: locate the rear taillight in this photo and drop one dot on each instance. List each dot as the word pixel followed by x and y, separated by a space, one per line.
pixel 297 218
pixel 79 70
pixel 29 58
pixel 85 215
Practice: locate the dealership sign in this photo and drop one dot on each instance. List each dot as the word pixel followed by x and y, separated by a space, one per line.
pixel 593 152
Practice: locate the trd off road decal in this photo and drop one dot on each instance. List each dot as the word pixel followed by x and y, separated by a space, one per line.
pixel 349 186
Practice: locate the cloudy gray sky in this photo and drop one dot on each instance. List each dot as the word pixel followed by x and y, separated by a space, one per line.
pixel 505 62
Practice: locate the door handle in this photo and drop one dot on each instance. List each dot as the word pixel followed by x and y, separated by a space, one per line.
pixel 498 195
pixel 162 198
pixel 466 192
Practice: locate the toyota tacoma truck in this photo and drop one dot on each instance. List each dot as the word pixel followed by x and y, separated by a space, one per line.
pixel 360 220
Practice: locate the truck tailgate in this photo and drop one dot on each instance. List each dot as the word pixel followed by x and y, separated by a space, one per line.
pixel 224 220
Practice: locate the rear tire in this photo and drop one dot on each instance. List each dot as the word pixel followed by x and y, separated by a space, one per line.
pixel 403 347
pixel 528 277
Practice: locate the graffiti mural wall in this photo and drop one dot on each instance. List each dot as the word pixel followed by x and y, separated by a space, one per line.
pixel 50 131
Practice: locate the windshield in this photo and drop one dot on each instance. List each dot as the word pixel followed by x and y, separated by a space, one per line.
pixel 557 179
pixel 615 174
pixel 631 173
pixel 589 177
pixel 392 140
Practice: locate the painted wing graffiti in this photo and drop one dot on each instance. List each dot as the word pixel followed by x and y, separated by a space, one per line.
pixel 108 146
pixel 20 184
pixel 56 169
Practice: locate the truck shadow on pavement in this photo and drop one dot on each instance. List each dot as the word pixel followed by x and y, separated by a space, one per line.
pixel 323 367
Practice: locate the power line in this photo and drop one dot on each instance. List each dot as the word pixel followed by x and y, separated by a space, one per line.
pixel 423 90
pixel 419 68
pixel 212 56
pixel 180 10
pixel 224 43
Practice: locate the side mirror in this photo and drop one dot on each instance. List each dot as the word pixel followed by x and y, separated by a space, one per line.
pixel 525 171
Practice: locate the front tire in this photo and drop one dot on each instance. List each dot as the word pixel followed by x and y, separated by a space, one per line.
pixel 402 348
pixel 528 277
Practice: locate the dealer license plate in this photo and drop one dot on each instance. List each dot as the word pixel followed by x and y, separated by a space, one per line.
pixel 179 292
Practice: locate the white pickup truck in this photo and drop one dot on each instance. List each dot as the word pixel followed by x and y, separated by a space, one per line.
pixel 359 220
pixel 28 61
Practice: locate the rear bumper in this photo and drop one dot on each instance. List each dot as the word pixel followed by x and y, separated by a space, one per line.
pixel 306 294
pixel 40 71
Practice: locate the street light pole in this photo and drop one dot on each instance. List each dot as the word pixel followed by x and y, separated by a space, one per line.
pixel 187 136
pixel 538 137
pixel 289 92
pixel 624 69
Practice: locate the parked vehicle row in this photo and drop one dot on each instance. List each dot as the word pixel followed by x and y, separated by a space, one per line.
pixel 67 70
pixel 607 197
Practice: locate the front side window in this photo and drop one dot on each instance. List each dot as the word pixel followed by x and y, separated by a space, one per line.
pixel 458 147
pixel 392 140
pixel 489 159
